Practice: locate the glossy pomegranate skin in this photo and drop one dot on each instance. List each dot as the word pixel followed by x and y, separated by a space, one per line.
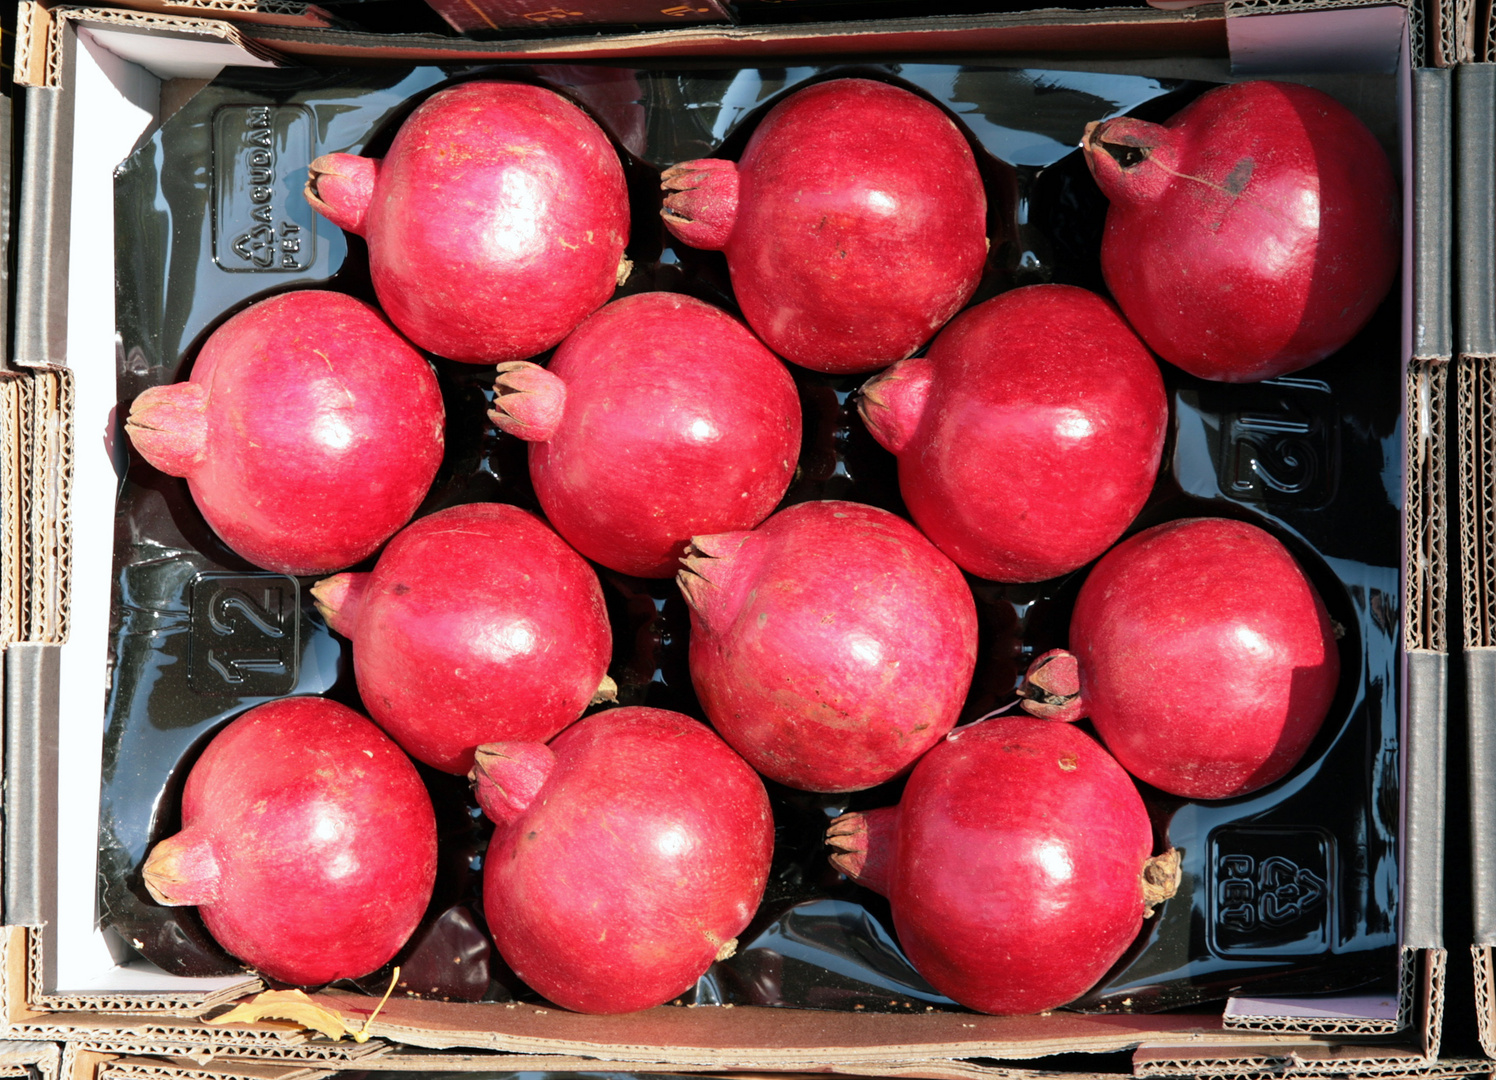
pixel 1254 232
pixel 854 224
pixel 478 623
pixel 1208 661
pixel 643 855
pixel 308 843
pixel 496 222
pixel 831 646
pixel 1029 436
pixel 677 421
pixel 309 431
pixel 1013 864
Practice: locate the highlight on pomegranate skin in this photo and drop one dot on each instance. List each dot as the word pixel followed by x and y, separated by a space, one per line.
pixel 496 222
pixel 477 624
pixel 628 855
pixel 854 225
pixel 308 843
pixel 1250 235
pixel 1203 655
pixel 659 418
pixel 308 432
pixel 1017 864
pixel 831 646
pixel 1029 436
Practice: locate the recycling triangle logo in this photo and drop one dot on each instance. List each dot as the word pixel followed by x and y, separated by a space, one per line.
pixel 1286 891
pixel 257 246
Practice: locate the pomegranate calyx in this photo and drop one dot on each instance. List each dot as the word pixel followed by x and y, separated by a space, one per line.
pixel 339 599
pixel 892 403
pixel 607 690
pixel 340 187
pixel 701 203
pixel 506 777
pixel 707 572
pixel 1132 160
pixel 182 871
pixel 1052 689
pixel 863 843
pixel 529 401
pixel 1161 877
pixel 168 425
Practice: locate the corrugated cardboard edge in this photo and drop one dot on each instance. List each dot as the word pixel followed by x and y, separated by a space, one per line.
pixel 38 1060
pixel 258 12
pixel 50 481
pixel 1304 1060
pixel 40 31
pixel 1485 1000
pixel 92 1064
pixel 135 1067
pixel 14 435
pixel 1474 378
pixel 1409 999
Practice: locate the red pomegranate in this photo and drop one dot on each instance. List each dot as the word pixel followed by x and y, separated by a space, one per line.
pixel 1016 864
pixel 832 646
pixel 477 624
pixel 659 418
pixel 496 222
pixel 628 856
pixel 854 225
pixel 308 432
pixel 1202 654
pixel 1251 234
pixel 308 843
pixel 1029 436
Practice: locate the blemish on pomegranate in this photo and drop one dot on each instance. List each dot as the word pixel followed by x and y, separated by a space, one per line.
pixel 1236 180
pixel 1069 762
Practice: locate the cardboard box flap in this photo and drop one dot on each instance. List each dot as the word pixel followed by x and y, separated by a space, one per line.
pixel 1114 31
pixel 745 1037
pixel 1475 186
pixel 30 804
pixel 1433 213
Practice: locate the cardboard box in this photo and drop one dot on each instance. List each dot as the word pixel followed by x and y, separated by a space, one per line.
pixel 97 79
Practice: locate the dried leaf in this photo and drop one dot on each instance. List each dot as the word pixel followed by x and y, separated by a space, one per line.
pixel 290 1005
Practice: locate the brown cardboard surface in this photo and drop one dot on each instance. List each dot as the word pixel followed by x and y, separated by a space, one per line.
pixel 1123 31
pixel 744 1037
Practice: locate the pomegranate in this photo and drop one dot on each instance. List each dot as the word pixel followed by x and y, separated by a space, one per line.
pixel 308 432
pixel 660 417
pixel 496 222
pixel 477 624
pixel 854 225
pixel 1016 864
pixel 308 843
pixel 1202 654
pixel 1029 436
pixel 832 646
pixel 629 854
pixel 1250 235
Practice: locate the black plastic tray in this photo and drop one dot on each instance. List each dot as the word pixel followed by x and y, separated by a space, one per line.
pixel 1293 890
